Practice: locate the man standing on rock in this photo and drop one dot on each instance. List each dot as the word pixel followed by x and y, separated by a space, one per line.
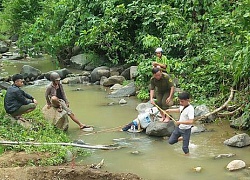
pixel 16 101
pixel 163 88
pixel 56 97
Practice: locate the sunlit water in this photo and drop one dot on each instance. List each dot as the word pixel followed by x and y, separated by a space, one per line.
pixel 157 160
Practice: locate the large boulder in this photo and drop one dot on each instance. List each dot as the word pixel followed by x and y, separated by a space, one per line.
pixel 125 91
pixel 30 73
pixel 240 140
pixel 160 129
pixel 80 61
pixel 59 119
pixel 63 73
pixel 98 72
pixel 143 106
pixel 201 111
pixel 4 85
pixel 113 80
pixel 240 123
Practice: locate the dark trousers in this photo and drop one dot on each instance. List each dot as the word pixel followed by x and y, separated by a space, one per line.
pixel 161 100
pixel 185 133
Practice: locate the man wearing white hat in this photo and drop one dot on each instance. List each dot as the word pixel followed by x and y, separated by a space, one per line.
pixel 161 61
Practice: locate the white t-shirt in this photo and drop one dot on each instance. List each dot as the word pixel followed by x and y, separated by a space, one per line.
pixel 186 114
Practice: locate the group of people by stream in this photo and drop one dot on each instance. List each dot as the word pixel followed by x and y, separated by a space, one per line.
pixel 18 102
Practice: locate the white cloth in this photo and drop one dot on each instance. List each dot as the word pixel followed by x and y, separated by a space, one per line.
pixel 186 114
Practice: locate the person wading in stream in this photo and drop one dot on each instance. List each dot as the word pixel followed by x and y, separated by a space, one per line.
pixel 56 97
pixel 183 127
pixel 162 87
pixel 16 101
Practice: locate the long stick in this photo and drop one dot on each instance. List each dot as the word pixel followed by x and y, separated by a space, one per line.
pixel 105 130
pixel 165 112
pixel 103 147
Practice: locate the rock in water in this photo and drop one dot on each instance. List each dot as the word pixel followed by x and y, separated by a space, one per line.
pixel 235 165
pixel 197 169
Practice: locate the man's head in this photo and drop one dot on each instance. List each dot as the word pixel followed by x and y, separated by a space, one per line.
pixel 184 98
pixel 157 73
pixel 18 80
pixel 158 52
pixel 55 77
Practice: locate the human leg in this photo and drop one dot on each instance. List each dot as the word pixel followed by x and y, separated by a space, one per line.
pixel 174 136
pixel 165 105
pixel 159 103
pixel 55 102
pixel 24 109
pixel 70 114
pixel 186 137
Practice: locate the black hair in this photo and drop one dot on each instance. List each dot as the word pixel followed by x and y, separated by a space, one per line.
pixel 155 70
pixel 16 77
pixel 184 96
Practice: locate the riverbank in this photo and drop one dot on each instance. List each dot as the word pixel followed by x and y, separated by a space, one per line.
pixel 69 171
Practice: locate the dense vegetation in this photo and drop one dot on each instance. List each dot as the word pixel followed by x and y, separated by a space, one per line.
pixel 207 42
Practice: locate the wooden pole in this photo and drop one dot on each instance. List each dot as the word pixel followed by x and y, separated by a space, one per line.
pixel 165 113
pixel 103 147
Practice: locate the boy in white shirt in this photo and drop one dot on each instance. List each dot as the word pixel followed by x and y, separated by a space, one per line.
pixel 183 127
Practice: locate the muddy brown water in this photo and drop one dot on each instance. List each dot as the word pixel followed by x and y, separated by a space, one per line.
pixel 149 157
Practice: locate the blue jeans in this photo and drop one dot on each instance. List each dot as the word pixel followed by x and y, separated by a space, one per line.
pixel 185 133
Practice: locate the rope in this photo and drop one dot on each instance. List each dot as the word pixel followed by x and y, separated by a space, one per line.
pixel 105 130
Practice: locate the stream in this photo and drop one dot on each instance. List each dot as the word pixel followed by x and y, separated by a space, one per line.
pixel 151 158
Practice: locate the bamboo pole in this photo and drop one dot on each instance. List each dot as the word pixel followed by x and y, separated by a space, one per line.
pixel 103 147
pixel 165 113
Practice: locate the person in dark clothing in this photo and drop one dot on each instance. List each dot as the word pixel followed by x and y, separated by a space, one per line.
pixel 56 97
pixel 16 101
pixel 162 86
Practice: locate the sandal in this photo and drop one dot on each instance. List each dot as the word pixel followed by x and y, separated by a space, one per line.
pixel 85 126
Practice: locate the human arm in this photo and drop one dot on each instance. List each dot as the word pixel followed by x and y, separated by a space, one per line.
pixel 159 65
pixel 23 97
pixel 64 95
pixel 187 122
pixel 48 95
pixel 171 94
pixel 152 96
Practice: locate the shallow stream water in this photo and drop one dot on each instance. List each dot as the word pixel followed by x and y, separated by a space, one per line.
pixel 154 158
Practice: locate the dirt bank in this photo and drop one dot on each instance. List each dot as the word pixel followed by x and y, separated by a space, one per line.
pixel 13 166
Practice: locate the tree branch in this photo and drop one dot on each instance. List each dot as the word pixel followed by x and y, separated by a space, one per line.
pixel 218 109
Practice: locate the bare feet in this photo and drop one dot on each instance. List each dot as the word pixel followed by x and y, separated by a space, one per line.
pixel 180 138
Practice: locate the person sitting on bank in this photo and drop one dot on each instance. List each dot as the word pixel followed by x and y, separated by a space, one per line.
pixel 16 101
pixel 56 97
pixel 161 61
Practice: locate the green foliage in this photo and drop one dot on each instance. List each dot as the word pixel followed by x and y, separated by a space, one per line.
pixel 16 12
pixel 206 42
pixel 41 131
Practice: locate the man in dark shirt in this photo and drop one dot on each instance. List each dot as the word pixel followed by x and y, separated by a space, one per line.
pixel 16 101
pixel 163 88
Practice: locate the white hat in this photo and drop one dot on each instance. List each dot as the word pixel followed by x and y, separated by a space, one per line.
pixel 159 49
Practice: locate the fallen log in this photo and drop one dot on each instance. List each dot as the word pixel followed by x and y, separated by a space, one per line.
pixel 102 147
pixel 218 109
